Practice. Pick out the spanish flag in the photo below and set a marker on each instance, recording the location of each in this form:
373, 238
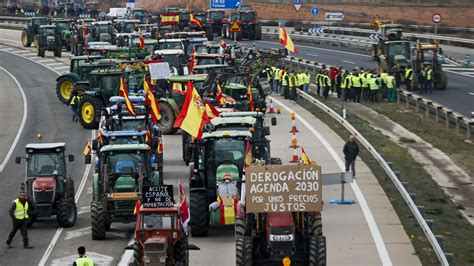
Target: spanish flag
151, 101
286, 40
211, 110
193, 62
227, 210
140, 37
169, 19
160, 145
124, 93
87, 149
147, 135
137, 207
249, 94
248, 155
100, 137
305, 158
193, 116
219, 98
84, 29
195, 21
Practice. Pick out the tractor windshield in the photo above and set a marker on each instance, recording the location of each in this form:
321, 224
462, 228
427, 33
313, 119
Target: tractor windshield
217, 15
397, 50
110, 83
49, 32
157, 221
125, 162
133, 124
172, 59
226, 149
126, 140
45, 164
105, 28
170, 45
247, 16
64, 25
209, 61
201, 49
129, 27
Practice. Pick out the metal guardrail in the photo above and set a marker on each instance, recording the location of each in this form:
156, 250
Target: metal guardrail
393, 177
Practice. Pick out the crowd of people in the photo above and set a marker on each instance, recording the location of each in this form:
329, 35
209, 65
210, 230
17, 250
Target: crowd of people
351, 86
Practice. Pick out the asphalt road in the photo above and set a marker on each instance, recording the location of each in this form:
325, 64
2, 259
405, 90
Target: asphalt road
459, 95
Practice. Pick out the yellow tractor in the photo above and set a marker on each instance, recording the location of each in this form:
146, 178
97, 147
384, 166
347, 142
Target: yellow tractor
424, 55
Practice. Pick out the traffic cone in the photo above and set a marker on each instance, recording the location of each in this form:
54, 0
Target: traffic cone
278, 111
271, 111
293, 123
295, 158
294, 142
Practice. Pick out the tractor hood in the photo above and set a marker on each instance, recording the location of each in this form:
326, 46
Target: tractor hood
50, 39
226, 171
155, 250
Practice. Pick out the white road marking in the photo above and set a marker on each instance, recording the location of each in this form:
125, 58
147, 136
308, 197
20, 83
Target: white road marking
28, 54
55, 64
7, 49
349, 62
19, 51
458, 73
35, 57
84, 209
23, 121
471, 93
60, 68
374, 230
77, 233
313, 55
127, 255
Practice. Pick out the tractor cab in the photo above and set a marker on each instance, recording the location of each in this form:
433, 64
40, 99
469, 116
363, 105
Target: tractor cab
394, 53
47, 183
48, 39
424, 55
29, 33
211, 59
176, 60
103, 31
178, 86
126, 25
139, 14
64, 26
150, 44
166, 44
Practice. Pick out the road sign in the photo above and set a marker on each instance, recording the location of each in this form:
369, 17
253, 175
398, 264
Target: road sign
298, 4
235, 27
334, 16
225, 4
314, 11
316, 30
437, 18
374, 37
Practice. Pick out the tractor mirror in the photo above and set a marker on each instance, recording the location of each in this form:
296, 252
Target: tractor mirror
267, 131
94, 144
88, 159
70, 158
274, 121
17, 160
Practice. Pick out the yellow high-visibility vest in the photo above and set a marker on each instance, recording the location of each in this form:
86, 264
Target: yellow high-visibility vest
21, 212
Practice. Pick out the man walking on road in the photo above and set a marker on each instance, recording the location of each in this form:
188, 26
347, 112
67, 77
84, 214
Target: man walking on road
351, 151
19, 215
83, 260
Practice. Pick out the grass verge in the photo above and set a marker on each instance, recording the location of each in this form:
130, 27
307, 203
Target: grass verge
448, 220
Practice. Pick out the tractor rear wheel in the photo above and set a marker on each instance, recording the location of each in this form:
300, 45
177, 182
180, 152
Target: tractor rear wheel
167, 119
239, 227
181, 252
40, 51
316, 225
25, 41
137, 253
199, 213
97, 221
317, 251
443, 81
90, 109
64, 87
67, 212
258, 32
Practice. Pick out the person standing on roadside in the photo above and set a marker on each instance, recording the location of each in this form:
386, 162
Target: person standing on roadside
82, 260
19, 215
351, 151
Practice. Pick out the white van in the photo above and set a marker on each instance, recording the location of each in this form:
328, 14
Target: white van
117, 12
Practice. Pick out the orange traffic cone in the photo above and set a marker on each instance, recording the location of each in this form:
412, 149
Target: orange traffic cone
294, 142
271, 111
295, 158
293, 123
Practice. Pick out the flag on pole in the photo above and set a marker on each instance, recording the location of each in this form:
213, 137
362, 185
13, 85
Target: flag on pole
195, 21
100, 137
249, 94
151, 101
160, 145
148, 135
248, 155
84, 29
193, 116
140, 37
193, 62
183, 207
124, 93
304, 157
211, 110
227, 209
219, 97
286, 40
137, 207
87, 149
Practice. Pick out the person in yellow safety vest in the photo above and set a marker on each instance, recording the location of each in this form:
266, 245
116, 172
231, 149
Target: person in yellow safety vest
276, 79
408, 78
391, 87
374, 84
301, 80
19, 213
365, 84
82, 260
427, 77
383, 79
326, 80
285, 81
307, 81
293, 84
356, 86
318, 86
346, 85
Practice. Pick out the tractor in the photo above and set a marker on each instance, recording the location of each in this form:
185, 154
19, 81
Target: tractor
122, 171
247, 20
428, 54
140, 14
48, 39
103, 31
65, 31
29, 33
47, 183
215, 21
176, 59
160, 239
392, 49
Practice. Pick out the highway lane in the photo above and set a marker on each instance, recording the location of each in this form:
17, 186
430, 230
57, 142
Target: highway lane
458, 96
53, 120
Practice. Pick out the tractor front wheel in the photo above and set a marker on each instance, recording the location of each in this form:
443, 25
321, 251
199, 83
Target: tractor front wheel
64, 87
258, 32
181, 252
98, 224
199, 213
317, 251
67, 212
25, 41
167, 119
243, 251
137, 253
239, 227
89, 112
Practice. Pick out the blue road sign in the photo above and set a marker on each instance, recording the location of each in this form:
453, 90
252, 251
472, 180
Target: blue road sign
314, 11
298, 2
225, 4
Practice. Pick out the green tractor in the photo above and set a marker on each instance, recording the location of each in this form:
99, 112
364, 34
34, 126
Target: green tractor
219, 155
65, 31
97, 90
28, 35
103, 31
47, 184
122, 171
48, 39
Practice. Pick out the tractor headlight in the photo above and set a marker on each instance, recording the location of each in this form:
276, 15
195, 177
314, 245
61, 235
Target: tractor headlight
163, 259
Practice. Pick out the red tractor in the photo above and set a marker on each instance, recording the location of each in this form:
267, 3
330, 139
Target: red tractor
159, 238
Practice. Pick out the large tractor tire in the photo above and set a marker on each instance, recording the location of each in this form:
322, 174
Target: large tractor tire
90, 109
67, 212
316, 225
181, 252
35, 41
239, 227
258, 32
98, 223
199, 213
442, 82
317, 251
167, 119
64, 87
25, 41
243, 251
137, 253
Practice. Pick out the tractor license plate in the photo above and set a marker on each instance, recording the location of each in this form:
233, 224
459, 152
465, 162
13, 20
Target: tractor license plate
123, 196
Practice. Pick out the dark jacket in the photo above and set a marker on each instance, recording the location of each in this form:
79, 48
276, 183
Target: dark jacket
351, 150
